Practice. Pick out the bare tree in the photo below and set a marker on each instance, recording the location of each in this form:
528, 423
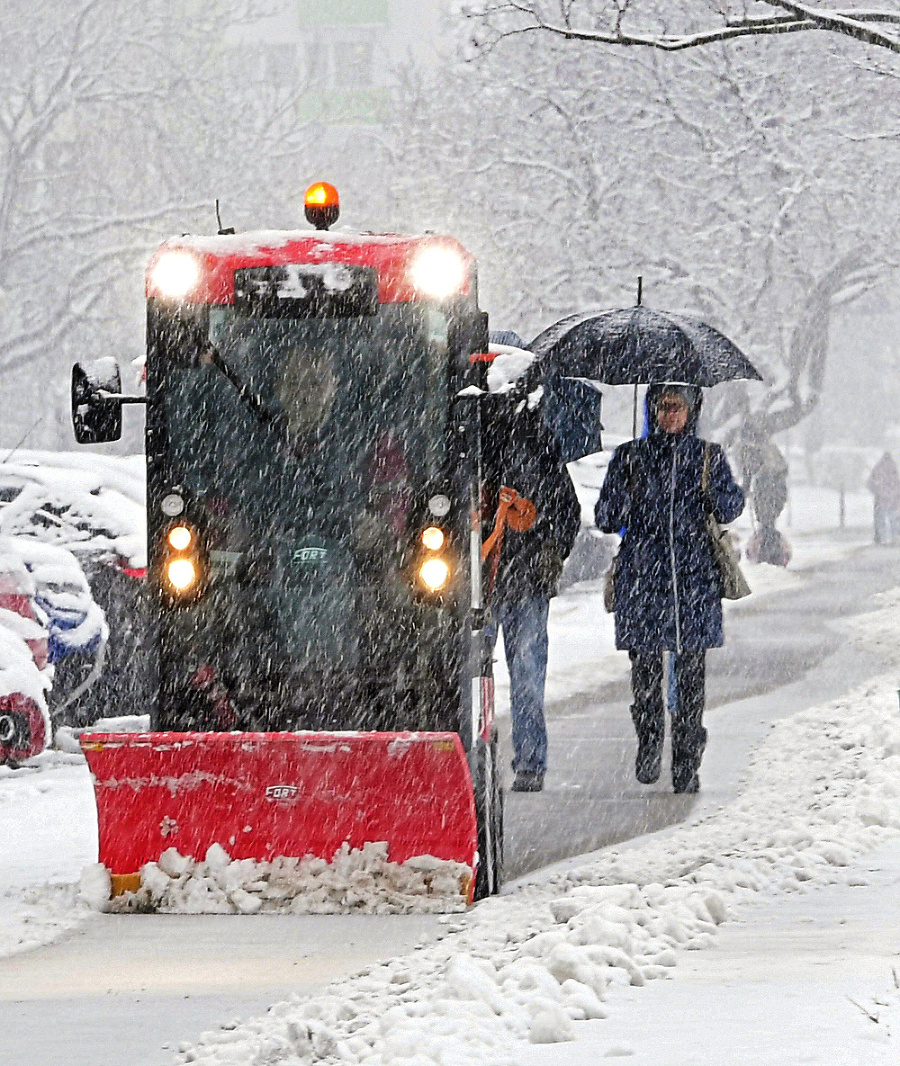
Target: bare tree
648, 24
119, 125
723, 179
80, 86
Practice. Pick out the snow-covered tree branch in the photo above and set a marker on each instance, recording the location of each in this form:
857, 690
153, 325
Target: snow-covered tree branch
637, 24
736, 190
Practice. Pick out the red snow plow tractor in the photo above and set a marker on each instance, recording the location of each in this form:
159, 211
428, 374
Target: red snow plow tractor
313, 436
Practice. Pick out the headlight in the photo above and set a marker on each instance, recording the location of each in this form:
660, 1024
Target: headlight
434, 574
438, 272
181, 574
439, 505
172, 504
175, 275
433, 538
180, 537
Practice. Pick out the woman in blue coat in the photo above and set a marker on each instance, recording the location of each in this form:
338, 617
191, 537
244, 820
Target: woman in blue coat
667, 590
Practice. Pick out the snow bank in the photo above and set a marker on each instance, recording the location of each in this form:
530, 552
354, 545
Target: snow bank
355, 881
528, 967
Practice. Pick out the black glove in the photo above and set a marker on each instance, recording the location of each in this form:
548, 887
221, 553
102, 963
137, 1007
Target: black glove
549, 567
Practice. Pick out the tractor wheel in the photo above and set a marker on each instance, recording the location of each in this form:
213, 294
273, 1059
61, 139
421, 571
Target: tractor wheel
489, 810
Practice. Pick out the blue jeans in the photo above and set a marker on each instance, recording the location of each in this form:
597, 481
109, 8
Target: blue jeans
524, 626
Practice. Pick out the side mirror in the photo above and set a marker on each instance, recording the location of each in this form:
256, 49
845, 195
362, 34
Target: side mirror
97, 401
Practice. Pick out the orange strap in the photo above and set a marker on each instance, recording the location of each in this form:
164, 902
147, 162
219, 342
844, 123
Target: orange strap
508, 497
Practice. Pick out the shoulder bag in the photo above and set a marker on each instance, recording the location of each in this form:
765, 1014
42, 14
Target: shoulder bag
734, 584
609, 580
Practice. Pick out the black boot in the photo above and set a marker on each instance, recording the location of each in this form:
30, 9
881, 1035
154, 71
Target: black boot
688, 743
528, 781
650, 745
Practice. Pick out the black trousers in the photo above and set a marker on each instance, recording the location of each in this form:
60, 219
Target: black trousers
648, 713
648, 710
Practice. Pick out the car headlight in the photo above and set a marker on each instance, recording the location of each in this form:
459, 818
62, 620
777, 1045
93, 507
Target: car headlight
175, 275
433, 538
180, 538
181, 574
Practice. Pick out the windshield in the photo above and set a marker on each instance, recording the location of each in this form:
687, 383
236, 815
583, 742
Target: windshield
311, 420
303, 446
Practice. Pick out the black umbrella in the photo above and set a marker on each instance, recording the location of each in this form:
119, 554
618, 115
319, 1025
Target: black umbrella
571, 409
638, 345
570, 405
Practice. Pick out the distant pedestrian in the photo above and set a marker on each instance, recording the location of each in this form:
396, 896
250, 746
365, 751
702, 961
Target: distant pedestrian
765, 478
521, 454
667, 589
884, 484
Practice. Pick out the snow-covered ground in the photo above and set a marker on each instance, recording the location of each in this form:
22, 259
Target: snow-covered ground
582, 653
763, 930
49, 834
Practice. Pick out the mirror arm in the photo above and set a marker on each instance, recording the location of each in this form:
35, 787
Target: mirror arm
119, 397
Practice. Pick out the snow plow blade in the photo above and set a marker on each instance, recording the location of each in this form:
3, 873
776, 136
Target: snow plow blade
265, 795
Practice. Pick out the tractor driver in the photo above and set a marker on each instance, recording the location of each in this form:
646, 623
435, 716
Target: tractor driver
306, 396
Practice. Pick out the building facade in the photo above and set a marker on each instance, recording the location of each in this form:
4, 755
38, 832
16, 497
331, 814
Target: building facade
336, 56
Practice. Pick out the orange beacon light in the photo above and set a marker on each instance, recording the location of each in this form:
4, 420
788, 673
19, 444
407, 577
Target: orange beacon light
322, 205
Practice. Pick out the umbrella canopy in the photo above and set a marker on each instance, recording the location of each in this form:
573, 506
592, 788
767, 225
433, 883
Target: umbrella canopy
572, 411
570, 406
638, 345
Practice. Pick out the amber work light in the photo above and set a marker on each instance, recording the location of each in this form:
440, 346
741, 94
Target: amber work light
322, 205
184, 569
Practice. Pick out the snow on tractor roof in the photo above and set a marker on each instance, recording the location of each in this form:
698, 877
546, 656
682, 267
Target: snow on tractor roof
393, 257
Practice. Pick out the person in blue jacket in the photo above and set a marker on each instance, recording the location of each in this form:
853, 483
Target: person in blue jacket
667, 590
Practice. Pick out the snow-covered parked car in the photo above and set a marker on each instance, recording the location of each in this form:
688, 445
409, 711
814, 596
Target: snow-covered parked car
75, 621
25, 672
83, 513
76, 628
93, 505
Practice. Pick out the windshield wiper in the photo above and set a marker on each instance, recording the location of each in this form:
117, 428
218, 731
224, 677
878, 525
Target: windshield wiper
265, 417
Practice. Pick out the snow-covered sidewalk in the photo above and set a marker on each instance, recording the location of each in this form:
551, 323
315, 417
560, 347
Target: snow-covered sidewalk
793, 888
48, 834
811, 977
